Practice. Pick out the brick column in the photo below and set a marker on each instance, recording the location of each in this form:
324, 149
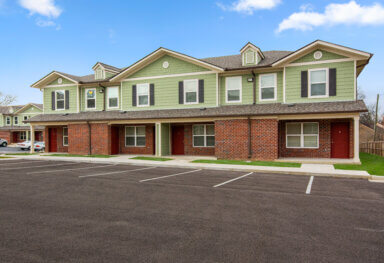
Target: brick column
265, 139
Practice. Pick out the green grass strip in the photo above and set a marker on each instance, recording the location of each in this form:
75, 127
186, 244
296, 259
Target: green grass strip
21, 153
373, 164
258, 163
5, 157
79, 155
158, 159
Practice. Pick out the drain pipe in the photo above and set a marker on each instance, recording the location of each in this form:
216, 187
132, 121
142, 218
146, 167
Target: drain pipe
254, 87
89, 139
249, 137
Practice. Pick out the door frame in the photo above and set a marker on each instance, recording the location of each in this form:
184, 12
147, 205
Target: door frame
172, 142
115, 130
50, 141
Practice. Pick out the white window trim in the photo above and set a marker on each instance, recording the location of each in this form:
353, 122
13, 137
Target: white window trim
118, 99
56, 91
6, 121
302, 135
326, 83
275, 87
197, 91
16, 120
241, 90
86, 99
204, 135
137, 95
25, 135
65, 136
135, 136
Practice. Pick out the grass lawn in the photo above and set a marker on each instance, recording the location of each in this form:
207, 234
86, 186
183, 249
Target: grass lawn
79, 155
21, 153
5, 157
151, 158
258, 163
371, 163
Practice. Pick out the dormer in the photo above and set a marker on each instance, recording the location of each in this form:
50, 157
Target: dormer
251, 55
99, 72
103, 71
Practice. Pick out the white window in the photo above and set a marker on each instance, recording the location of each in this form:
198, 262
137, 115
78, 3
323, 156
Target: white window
268, 87
302, 135
65, 136
318, 83
135, 136
15, 120
23, 136
8, 120
204, 135
142, 95
250, 57
90, 99
99, 74
60, 99
25, 117
191, 91
113, 97
233, 87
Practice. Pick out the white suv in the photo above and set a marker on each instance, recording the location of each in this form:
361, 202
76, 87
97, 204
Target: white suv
3, 142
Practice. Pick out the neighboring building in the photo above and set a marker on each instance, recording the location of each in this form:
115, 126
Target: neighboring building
12, 122
255, 104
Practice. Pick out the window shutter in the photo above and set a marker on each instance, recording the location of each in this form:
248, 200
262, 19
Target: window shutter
201, 90
134, 103
67, 99
53, 100
332, 82
181, 92
152, 94
304, 84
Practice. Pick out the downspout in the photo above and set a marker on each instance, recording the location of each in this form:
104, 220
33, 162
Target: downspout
254, 87
89, 139
249, 137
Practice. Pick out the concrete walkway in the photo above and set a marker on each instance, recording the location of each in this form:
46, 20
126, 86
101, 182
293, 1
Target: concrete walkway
185, 162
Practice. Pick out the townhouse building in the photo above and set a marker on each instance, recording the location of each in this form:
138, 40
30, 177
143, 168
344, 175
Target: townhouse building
261, 105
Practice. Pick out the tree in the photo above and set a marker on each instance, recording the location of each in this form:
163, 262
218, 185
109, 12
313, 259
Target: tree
5, 100
367, 118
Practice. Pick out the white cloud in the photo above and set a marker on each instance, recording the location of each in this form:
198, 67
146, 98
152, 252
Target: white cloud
46, 8
45, 23
249, 6
335, 14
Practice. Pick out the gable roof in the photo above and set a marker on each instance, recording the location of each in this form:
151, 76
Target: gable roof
14, 109
249, 44
107, 67
39, 106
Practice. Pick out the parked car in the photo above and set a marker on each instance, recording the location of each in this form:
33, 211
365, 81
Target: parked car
3, 143
39, 146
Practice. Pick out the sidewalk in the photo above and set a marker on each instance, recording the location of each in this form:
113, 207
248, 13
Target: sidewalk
305, 169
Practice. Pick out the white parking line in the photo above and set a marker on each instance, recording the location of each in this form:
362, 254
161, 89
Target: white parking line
31, 167
234, 179
309, 186
71, 169
166, 176
118, 172
21, 162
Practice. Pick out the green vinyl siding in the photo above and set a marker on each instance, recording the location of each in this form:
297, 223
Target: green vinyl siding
167, 92
176, 66
65, 82
48, 100
165, 133
2, 120
31, 110
344, 82
108, 74
326, 56
99, 99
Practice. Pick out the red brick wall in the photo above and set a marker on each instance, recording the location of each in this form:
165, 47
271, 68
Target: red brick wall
59, 142
78, 138
265, 139
100, 138
188, 144
6, 135
149, 141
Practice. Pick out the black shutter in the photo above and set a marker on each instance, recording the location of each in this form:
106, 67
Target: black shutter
134, 103
67, 99
304, 84
53, 100
332, 82
201, 90
181, 92
152, 94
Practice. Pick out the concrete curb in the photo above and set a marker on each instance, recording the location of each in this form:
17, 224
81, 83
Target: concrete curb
219, 167
376, 179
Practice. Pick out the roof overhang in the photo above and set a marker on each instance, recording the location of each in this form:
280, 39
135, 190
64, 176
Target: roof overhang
157, 54
99, 64
49, 78
338, 49
26, 107
250, 45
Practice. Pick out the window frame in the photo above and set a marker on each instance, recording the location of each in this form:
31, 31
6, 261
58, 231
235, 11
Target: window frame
118, 97
204, 135
326, 83
15, 120
302, 135
25, 117
6, 121
86, 98
248, 52
65, 136
56, 100
135, 135
196, 81
137, 94
240, 89
274, 90
23, 136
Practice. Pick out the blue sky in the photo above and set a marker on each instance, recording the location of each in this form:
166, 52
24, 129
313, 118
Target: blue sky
39, 36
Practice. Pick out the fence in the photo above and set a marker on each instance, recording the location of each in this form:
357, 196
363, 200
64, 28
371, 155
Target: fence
373, 147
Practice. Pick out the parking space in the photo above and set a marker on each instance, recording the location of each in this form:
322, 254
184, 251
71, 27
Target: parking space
62, 211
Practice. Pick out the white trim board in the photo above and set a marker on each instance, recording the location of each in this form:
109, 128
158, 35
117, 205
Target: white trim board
320, 62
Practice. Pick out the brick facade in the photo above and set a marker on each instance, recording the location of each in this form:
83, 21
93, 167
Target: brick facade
59, 142
149, 141
188, 144
265, 143
6, 135
78, 138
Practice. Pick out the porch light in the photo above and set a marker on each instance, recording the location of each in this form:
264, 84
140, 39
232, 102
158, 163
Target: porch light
250, 79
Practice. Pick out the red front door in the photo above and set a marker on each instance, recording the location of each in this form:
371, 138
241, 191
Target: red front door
15, 137
115, 140
178, 140
52, 133
340, 140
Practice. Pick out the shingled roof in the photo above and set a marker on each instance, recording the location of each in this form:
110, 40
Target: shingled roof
7, 109
223, 111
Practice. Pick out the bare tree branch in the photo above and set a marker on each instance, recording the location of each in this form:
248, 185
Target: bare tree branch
5, 100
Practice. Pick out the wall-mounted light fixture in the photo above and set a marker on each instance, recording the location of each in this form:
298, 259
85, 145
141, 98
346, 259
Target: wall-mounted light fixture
250, 79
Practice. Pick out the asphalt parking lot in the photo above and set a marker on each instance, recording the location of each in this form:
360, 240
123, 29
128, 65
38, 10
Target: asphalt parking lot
54, 211
10, 150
